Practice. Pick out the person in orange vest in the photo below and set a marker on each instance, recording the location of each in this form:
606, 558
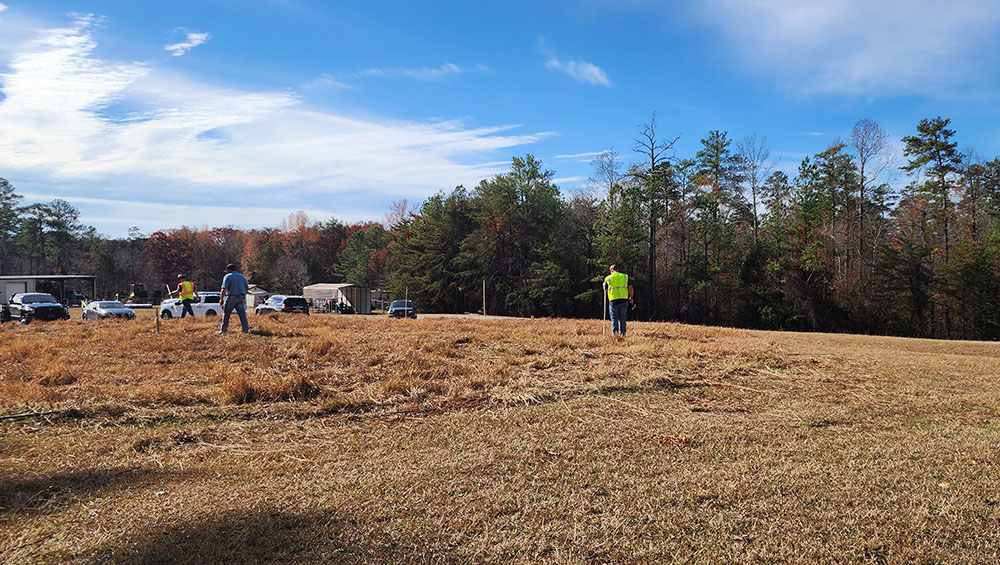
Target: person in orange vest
187, 294
620, 295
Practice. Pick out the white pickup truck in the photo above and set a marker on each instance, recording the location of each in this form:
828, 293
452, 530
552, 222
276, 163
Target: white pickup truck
207, 305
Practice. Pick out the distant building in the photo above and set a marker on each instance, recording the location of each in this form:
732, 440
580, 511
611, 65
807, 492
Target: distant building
256, 295
323, 295
53, 284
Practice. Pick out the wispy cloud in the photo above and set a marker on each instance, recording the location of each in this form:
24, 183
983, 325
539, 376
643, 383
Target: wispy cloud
589, 154
2, 7
194, 39
580, 70
422, 73
859, 46
97, 128
813, 133
327, 80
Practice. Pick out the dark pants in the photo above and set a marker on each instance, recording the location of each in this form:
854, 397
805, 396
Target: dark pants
186, 308
619, 313
239, 304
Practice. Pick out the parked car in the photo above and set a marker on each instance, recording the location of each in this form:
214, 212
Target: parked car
282, 303
25, 307
102, 309
206, 305
402, 309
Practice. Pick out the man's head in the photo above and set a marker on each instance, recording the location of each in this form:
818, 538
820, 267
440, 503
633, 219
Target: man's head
614, 268
180, 277
230, 268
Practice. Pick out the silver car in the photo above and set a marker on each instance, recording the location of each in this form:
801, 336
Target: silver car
103, 309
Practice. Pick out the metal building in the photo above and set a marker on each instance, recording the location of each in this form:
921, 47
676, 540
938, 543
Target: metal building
322, 295
56, 284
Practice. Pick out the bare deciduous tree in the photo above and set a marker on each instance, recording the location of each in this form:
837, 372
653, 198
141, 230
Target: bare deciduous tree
656, 153
607, 172
871, 144
754, 167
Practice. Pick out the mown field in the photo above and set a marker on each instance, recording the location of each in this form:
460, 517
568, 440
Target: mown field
350, 439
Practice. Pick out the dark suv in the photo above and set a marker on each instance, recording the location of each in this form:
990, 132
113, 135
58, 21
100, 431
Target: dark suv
402, 309
25, 307
281, 303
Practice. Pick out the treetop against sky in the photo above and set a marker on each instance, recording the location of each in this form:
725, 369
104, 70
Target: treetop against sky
219, 112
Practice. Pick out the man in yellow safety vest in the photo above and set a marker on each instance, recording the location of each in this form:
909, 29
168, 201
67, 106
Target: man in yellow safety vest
620, 295
187, 293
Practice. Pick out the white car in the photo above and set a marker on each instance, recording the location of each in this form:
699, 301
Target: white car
207, 305
102, 309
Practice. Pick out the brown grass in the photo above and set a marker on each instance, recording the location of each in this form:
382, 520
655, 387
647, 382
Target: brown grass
354, 439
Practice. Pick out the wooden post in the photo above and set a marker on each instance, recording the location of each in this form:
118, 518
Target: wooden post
484, 297
604, 313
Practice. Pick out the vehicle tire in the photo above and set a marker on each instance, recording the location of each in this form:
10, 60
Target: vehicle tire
24, 320
166, 315
210, 313
83, 316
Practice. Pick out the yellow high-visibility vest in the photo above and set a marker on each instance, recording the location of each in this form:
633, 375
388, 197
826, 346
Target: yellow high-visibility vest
187, 290
617, 285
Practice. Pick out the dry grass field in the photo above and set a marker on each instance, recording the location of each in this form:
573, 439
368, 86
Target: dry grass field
349, 439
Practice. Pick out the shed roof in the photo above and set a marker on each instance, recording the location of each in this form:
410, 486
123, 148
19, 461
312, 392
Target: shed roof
46, 277
325, 290
256, 290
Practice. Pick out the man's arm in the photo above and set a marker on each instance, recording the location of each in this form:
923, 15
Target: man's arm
630, 293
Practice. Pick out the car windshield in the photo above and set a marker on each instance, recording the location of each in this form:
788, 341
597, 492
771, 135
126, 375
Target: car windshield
110, 304
37, 298
401, 304
277, 299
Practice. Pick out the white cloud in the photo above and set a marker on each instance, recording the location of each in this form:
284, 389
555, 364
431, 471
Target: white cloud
99, 128
194, 39
423, 73
579, 70
860, 46
590, 154
326, 80
2, 7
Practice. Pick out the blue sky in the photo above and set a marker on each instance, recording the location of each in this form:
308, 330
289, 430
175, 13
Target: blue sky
224, 112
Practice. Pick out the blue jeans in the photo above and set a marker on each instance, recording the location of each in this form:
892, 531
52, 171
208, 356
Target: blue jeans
186, 308
619, 313
239, 304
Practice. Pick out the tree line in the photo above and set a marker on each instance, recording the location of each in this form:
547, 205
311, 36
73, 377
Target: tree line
720, 237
